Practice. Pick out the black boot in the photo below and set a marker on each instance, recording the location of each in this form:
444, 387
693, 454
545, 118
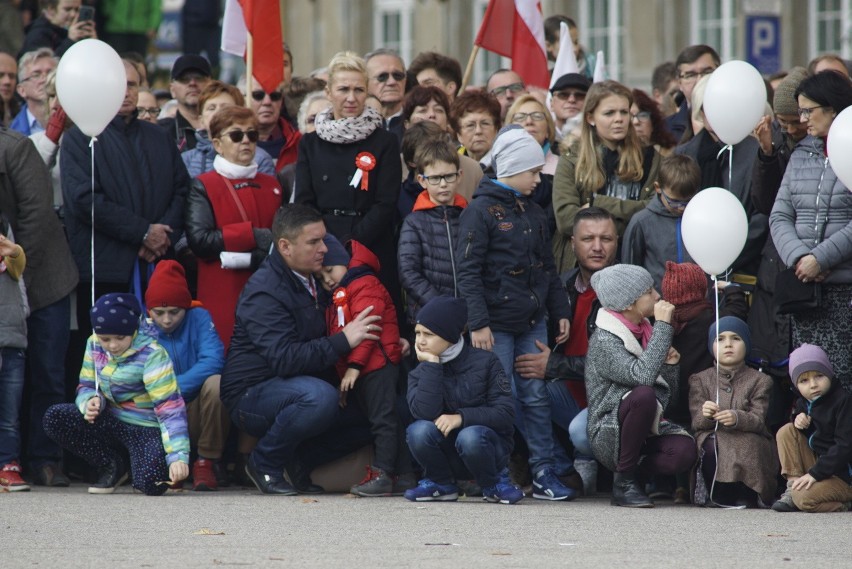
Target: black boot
628, 492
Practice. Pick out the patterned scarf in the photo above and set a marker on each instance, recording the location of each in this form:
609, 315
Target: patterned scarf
347, 130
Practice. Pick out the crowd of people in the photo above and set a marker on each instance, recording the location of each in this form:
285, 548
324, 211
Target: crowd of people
463, 279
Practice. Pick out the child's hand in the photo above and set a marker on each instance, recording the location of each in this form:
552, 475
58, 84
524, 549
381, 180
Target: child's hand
727, 417
426, 356
448, 423
564, 330
803, 482
178, 471
348, 380
709, 409
341, 400
93, 409
802, 421
673, 357
482, 339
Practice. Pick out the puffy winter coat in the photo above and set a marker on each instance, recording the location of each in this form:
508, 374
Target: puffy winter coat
830, 432
427, 263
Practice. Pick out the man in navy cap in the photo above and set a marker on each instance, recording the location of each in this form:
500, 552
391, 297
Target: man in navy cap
569, 95
190, 74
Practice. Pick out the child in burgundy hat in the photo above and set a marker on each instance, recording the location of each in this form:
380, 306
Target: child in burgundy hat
187, 333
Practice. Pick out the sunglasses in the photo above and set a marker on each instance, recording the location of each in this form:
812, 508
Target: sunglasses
153, 111
238, 135
274, 96
383, 77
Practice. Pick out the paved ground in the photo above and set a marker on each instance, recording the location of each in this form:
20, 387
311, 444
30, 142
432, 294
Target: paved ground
69, 528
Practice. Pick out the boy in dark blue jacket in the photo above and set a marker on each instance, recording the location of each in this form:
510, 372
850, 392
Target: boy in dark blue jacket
198, 356
462, 405
507, 276
816, 448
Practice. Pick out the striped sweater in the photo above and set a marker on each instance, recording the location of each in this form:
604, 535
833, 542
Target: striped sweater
139, 387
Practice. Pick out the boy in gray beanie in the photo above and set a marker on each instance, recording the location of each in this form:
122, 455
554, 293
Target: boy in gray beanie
815, 448
507, 276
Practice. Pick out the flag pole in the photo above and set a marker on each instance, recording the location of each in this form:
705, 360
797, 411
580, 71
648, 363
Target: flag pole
469, 69
249, 67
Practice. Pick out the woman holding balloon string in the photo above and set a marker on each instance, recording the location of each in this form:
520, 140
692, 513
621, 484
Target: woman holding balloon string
608, 167
811, 224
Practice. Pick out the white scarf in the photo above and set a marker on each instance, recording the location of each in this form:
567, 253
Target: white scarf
452, 352
232, 171
347, 130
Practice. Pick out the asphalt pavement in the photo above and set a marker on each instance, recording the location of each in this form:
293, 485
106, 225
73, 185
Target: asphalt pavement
68, 528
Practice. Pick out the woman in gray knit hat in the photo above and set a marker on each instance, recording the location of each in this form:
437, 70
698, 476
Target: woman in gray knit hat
631, 375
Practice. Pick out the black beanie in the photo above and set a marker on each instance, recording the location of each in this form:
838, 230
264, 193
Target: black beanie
444, 316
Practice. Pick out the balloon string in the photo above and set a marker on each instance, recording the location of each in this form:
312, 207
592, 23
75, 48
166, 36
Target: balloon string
92, 243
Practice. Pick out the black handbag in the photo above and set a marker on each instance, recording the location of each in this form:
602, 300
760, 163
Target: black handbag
793, 296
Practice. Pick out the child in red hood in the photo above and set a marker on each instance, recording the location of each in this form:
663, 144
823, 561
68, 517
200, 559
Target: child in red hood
371, 370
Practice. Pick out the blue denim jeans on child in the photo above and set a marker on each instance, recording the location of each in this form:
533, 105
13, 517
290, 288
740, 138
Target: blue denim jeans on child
12, 362
532, 402
476, 451
566, 413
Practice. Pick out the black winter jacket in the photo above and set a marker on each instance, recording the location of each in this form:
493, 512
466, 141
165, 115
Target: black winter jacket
830, 433
473, 385
280, 332
427, 264
42, 33
560, 366
505, 262
140, 179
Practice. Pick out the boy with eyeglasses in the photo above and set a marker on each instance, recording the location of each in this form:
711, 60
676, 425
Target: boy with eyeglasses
653, 235
427, 266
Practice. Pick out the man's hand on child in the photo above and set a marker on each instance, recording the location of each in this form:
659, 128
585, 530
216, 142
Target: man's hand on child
564, 330
803, 482
728, 417
709, 409
533, 366
448, 423
673, 357
178, 471
802, 421
93, 409
363, 327
347, 382
482, 339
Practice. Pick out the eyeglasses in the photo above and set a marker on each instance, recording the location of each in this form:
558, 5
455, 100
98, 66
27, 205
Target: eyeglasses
566, 95
471, 126
689, 76
641, 116
805, 112
37, 76
238, 135
153, 111
673, 203
383, 77
513, 88
537, 116
436, 180
274, 96
188, 78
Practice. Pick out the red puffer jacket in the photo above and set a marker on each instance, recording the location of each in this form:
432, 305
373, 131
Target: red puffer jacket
359, 289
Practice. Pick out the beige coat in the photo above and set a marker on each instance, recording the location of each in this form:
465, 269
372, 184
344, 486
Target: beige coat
746, 451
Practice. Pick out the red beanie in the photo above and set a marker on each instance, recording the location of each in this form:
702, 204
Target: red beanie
684, 283
168, 287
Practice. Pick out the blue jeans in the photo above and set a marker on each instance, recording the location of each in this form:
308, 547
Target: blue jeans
48, 334
11, 390
579, 434
474, 451
282, 413
532, 402
565, 413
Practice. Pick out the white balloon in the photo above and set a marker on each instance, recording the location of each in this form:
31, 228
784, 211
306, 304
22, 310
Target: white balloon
840, 143
90, 84
734, 101
714, 229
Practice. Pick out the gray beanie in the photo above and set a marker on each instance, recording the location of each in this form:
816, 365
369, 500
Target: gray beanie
784, 101
515, 151
618, 286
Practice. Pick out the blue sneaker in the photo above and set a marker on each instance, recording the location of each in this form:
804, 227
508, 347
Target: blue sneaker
428, 491
546, 486
503, 493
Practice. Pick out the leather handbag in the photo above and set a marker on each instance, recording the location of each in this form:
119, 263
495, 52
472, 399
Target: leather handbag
792, 296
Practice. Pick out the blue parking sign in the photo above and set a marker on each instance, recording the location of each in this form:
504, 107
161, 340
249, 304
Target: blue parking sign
763, 42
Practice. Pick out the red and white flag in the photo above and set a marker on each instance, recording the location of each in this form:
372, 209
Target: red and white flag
261, 19
515, 28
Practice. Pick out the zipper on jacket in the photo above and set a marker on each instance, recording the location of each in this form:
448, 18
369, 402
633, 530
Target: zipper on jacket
452, 255
817, 205
175, 364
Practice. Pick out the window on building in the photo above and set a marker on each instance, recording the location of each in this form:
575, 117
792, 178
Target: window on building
392, 26
829, 23
601, 25
715, 23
